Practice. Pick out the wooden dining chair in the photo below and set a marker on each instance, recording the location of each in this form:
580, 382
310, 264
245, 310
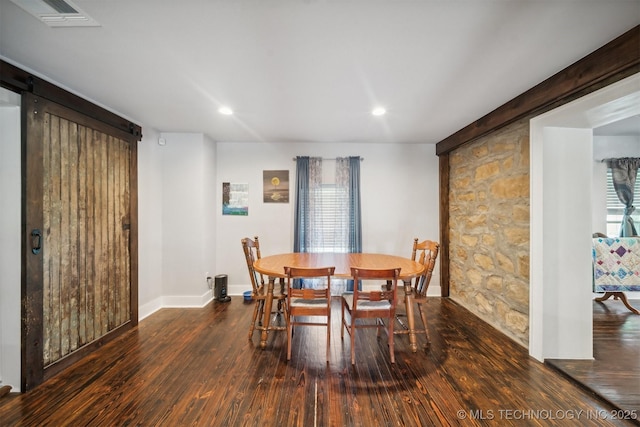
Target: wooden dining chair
425, 253
303, 302
370, 304
251, 250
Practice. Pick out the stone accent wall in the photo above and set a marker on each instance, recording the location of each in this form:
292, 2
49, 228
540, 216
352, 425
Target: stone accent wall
489, 229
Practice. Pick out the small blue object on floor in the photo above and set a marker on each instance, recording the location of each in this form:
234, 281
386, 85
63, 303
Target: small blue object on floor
247, 296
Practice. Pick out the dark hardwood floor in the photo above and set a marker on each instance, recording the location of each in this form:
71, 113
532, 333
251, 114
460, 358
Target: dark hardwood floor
196, 367
615, 371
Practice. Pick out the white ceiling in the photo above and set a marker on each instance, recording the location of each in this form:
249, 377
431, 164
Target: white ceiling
311, 70
627, 127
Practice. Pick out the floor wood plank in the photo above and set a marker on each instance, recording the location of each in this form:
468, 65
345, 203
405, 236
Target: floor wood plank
614, 373
196, 367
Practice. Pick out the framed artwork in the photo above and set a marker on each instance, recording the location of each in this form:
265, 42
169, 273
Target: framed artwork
235, 199
275, 186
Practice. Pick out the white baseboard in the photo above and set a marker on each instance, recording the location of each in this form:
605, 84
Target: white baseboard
434, 291
177, 301
146, 310
183, 301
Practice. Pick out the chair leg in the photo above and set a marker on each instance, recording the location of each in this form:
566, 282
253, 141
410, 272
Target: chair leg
261, 311
289, 335
344, 324
352, 333
423, 316
328, 331
390, 333
253, 321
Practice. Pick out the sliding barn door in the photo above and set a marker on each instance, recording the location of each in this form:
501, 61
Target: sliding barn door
79, 280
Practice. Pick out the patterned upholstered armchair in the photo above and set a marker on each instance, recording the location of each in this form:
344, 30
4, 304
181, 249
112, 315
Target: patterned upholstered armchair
616, 267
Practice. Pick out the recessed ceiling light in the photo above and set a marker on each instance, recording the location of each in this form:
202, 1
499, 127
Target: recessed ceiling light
225, 110
379, 111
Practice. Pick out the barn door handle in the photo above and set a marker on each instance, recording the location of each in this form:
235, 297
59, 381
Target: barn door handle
36, 241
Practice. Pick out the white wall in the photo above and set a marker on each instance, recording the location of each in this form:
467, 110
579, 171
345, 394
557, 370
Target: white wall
609, 147
567, 217
10, 261
176, 177
149, 224
187, 219
209, 194
599, 197
399, 185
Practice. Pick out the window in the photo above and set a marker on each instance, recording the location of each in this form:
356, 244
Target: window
615, 208
332, 217
327, 217
327, 212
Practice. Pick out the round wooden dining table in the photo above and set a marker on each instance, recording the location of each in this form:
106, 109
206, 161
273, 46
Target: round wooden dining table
273, 267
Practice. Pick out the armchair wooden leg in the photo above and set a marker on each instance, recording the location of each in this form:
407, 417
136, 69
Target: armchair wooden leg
622, 297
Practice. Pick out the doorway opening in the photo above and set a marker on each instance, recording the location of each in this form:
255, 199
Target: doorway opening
561, 167
10, 238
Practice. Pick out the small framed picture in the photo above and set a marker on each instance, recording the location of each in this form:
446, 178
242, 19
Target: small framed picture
275, 186
235, 199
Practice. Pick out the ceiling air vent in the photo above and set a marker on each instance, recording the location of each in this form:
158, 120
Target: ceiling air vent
57, 13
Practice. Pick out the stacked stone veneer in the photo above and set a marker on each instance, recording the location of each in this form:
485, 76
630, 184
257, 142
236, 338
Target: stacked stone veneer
489, 229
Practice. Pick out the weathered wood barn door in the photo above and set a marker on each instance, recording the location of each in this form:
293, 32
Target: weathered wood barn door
79, 223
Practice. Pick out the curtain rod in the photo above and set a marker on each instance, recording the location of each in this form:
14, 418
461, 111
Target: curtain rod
328, 158
615, 158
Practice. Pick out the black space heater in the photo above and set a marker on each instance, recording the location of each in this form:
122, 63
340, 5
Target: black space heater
220, 290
